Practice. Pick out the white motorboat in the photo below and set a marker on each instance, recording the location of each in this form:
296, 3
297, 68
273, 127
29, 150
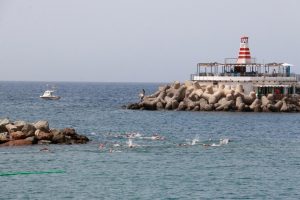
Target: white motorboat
49, 94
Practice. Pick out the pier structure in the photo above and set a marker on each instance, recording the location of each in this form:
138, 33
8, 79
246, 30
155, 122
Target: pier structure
270, 78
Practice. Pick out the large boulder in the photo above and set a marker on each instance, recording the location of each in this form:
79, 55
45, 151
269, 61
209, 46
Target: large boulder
256, 105
18, 135
249, 99
209, 89
20, 124
4, 137
191, 104
159, 106
11, 128
240, 105
151, 103
41, 135
175, 104
203, 104
182, 106
224, 104
176, 92
69, 132
239, 89
284, 107
168, 105
265, 101
4, 121
176, 85
58, 136
196, 108
278, 105
214, 98
42, 125
29, 130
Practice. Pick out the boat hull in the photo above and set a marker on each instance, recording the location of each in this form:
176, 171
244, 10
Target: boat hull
50, 98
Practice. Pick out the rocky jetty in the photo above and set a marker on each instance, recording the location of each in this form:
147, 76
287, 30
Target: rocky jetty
192, 96
23, 133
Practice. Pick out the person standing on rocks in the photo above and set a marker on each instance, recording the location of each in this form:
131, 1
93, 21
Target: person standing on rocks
142, 95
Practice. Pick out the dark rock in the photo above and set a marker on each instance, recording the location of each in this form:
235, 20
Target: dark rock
29, 130
133, 106
3, 129
149, 105
175, 104
58, 136
169, 105
81, 139
68, 140
41, 135
69, 132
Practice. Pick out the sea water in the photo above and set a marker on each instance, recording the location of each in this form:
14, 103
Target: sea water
260, 161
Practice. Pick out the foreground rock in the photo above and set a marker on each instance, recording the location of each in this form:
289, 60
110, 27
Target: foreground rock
23, 133
192, 96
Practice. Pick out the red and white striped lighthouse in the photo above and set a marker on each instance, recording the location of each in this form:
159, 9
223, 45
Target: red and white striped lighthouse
244, 54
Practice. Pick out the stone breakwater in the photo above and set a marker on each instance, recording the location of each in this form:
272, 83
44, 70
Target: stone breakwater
193, 96
24, 133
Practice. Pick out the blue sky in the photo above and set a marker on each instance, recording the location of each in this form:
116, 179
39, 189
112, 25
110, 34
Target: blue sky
137, 40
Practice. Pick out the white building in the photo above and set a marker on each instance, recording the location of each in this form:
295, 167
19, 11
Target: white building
275, 78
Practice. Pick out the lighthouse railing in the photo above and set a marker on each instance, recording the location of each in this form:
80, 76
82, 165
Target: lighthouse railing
278, 79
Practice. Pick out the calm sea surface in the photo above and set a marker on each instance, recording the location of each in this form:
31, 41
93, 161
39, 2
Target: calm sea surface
262, 161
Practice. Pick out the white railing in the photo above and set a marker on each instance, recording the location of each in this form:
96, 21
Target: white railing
241, 78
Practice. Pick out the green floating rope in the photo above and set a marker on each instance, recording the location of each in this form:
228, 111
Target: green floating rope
32, 172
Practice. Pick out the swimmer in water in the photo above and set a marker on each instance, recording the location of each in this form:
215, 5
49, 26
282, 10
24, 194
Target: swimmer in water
130, 143
224, 141
101, 146
157, 137
116, 145
182, 145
